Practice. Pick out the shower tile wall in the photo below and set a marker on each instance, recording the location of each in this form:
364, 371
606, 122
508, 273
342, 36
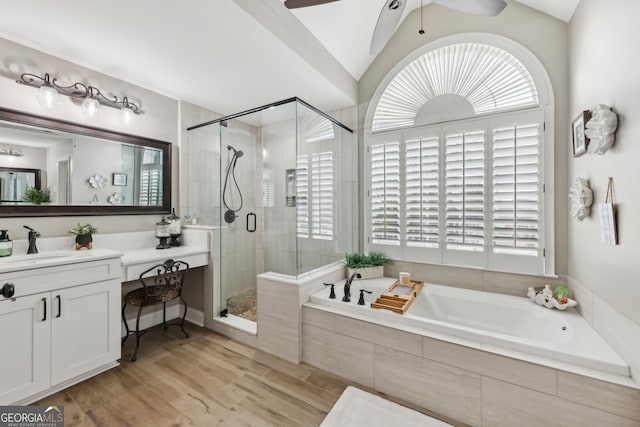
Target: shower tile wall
203, 159
195, 142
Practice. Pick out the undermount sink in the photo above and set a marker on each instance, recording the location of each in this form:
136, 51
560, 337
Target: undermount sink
36, 258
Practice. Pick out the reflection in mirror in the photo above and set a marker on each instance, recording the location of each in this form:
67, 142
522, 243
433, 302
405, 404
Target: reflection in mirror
99, 171
15, 181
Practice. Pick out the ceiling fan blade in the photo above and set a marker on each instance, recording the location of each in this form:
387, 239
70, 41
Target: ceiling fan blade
386, 25
476, 7
294, 4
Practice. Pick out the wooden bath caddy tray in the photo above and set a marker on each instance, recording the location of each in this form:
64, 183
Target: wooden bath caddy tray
395, 301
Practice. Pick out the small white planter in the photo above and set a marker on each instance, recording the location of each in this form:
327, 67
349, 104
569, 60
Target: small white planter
367, 272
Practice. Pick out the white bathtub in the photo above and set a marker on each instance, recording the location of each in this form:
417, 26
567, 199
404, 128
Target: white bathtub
507, 322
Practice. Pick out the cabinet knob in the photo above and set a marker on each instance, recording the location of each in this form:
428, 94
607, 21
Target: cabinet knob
8, 290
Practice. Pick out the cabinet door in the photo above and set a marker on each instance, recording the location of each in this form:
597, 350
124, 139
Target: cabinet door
25, 340
85, 322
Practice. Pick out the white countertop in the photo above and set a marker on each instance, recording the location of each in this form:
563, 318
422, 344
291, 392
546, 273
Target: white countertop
53, 258
137, 251
140, 256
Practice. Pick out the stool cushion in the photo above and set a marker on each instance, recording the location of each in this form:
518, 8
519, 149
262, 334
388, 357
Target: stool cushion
153, 295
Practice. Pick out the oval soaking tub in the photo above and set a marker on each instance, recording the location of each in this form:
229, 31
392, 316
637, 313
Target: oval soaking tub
508, 322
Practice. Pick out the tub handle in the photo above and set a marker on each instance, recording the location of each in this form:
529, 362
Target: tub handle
332, 295
361, 300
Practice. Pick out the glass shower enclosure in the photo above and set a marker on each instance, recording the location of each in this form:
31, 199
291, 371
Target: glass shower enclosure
278, 184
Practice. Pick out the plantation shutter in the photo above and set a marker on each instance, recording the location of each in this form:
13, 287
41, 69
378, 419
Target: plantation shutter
151, 178
464, 186
302, 196
489, 78
516, 183
421, 192
385, 193
322, 195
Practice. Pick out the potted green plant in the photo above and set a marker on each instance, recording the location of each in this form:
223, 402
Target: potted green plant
37, 196
84, 235
369, 266
561, 294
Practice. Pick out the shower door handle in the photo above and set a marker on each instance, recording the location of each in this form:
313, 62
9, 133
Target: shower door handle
251, 215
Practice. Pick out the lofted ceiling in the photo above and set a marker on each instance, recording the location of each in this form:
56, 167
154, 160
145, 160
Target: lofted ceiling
226, 55
352, 23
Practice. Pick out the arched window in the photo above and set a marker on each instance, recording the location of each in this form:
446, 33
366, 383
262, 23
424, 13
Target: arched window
452, 82
458, 142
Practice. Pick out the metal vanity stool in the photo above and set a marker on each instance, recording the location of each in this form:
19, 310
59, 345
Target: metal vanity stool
160, 284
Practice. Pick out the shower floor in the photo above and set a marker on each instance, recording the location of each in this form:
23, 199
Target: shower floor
244, 305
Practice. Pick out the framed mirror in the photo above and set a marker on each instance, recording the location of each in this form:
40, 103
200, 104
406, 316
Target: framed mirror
82, 170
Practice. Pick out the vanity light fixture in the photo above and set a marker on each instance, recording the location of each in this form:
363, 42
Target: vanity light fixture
49, 92
90, 105
9, 151
47, 95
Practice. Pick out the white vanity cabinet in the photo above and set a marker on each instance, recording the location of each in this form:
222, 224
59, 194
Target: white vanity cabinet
60, 327
25, 340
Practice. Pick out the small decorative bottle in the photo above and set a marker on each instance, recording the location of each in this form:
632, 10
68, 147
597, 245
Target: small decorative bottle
174, 228
162, 234
6, 245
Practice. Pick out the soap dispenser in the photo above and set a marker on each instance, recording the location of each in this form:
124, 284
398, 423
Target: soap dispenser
6, 245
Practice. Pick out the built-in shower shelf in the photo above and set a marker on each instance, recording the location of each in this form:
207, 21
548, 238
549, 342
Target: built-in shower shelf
398, 297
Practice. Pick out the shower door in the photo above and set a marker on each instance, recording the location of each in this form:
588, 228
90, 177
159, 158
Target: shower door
240, 229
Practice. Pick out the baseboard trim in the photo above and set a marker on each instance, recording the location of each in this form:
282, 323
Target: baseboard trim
155, 318
196, 317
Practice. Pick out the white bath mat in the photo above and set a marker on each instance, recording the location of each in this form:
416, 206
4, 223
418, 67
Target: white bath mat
359, 408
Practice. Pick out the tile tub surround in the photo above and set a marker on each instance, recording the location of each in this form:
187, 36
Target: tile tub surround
618, 330
476, 387
280, 299
513, 324
472, 278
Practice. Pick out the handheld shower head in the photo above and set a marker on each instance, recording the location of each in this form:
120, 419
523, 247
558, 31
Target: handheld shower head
236, 153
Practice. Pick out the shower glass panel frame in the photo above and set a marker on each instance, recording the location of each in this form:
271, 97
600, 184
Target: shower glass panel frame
297, 174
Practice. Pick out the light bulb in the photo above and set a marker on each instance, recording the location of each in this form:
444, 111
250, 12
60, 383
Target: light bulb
48, 97
90, 107
126, 115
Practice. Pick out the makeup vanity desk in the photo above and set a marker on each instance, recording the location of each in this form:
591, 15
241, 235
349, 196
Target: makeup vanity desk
60, 309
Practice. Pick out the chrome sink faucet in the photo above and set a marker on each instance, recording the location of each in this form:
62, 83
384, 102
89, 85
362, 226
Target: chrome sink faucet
347, 287
33, 235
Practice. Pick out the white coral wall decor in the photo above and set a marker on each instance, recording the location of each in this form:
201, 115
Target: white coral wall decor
581, 198
601, 129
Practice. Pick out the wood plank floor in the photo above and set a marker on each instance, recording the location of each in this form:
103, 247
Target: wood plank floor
206, 380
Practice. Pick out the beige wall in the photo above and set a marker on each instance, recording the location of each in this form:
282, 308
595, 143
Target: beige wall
604, 69
160, 121
543, 35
